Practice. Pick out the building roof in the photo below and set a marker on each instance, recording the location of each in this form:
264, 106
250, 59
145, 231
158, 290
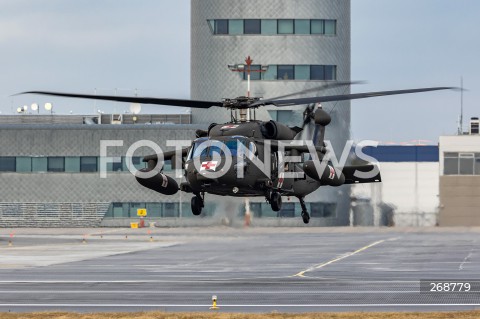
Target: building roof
117, 119
397, 153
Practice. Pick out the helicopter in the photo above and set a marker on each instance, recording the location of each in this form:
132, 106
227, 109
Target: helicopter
246, 157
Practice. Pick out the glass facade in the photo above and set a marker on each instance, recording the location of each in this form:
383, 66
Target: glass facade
39, 164
323, 209
7, 164
283, 116
294, 210
72, 164
88, 164
69, 164
317, 26
23, 164
182, 210
330, 27
255, 74
285, 26
284, 72
252, 26
461, 163
302, 26
221, 26
273, 26
302, 72
56, 164
268, 27
235, 27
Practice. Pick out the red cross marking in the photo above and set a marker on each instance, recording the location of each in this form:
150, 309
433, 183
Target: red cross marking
208, 165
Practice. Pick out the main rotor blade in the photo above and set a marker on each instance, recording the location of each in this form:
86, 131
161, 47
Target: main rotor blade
316, 89
133, 99
345, 97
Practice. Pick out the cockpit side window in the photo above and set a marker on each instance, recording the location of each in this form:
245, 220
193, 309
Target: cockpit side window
190, 152
253, 150
210, 148
232, 146
215, 150
199, 151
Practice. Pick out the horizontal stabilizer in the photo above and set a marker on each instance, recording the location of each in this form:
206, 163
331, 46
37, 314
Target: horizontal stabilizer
362, 174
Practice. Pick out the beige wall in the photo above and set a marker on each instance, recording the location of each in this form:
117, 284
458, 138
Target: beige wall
459, 201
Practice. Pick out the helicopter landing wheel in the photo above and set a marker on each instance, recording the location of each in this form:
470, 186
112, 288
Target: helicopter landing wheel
276, 201
197, 205
305, 214
305, 217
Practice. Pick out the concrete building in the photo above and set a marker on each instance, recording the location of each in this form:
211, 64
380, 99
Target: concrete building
424, 185
305, 44
460, 178
50, 168
50, 173
409, 188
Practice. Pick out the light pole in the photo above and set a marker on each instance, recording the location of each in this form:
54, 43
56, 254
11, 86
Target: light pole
22, 109
241, 68
49, 107
35, 107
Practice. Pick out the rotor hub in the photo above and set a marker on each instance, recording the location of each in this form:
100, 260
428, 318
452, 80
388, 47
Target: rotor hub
241, 102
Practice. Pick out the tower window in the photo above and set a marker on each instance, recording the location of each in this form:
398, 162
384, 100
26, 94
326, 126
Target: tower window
235, 27
330, 27
56, 164
317, 26
273, 26
221, 27
302, 26
285, 26
7, 164
252, 26
286, 72
88, 164
269, 27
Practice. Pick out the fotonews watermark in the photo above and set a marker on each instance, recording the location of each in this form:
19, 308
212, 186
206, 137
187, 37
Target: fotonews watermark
215, 158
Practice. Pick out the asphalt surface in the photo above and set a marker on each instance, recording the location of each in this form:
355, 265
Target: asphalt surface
249, 270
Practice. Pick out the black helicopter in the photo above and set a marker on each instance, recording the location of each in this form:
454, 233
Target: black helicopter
246, 157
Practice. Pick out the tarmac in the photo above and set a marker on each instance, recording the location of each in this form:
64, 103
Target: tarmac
249, 269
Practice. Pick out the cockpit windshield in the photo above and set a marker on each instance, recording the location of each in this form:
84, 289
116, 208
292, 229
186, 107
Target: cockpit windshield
205, 147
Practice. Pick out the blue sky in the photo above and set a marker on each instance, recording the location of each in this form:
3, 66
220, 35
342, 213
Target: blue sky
78, 46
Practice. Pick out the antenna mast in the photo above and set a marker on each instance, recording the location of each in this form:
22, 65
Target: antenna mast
460, 124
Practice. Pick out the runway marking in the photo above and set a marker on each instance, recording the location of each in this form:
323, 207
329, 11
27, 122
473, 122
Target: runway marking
258, 280
203, 292
466, 260
302, 273
123, 305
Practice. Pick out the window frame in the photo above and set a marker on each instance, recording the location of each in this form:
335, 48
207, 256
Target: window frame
217, 21
284, 20
282, 77
250, 20
50, 162
9, 167
83, 168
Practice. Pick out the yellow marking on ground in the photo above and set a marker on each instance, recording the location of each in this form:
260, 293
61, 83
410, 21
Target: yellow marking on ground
302, 273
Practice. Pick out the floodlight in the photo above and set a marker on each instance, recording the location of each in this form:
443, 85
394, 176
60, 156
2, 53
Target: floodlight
135, 108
